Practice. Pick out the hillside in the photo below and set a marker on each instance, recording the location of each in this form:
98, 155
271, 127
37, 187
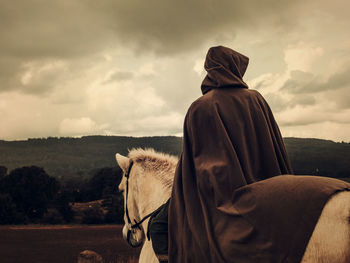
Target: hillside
66, 157
80, 157
319, 157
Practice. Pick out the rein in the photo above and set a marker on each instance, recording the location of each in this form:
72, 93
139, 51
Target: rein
136, 224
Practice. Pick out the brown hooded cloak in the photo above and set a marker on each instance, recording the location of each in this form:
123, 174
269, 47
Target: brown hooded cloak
221, 208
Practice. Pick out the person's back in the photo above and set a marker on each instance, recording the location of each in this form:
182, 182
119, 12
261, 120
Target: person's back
251, 132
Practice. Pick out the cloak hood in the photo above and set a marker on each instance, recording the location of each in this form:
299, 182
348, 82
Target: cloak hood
225, 67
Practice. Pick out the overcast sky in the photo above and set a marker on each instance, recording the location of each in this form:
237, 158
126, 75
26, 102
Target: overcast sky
128, 67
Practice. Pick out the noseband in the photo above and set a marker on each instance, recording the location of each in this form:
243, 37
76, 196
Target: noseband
136, 224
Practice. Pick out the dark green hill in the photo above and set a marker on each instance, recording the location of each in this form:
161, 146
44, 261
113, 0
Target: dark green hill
67, 157
319, 157
71, 157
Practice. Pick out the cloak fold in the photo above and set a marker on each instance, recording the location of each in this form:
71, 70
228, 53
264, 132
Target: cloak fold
222, 209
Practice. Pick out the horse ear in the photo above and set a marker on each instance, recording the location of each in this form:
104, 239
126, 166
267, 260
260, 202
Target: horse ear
123, 162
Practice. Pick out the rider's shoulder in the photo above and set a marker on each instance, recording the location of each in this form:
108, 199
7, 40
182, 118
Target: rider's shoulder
202, 104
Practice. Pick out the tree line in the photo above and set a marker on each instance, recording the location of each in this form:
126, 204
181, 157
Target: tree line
30, 195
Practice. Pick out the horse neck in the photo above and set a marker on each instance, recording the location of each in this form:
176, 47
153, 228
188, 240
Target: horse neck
152, 193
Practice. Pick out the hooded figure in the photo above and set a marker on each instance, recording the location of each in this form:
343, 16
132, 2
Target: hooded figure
222, 209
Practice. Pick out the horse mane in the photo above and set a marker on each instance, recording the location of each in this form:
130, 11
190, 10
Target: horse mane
150, 160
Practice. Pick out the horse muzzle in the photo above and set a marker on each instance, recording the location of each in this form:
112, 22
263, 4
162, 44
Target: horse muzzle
134, 236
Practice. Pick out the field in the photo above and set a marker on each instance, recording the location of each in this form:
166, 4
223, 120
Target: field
58, 244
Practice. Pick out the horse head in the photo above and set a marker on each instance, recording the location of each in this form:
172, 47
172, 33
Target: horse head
146, 184
135, 236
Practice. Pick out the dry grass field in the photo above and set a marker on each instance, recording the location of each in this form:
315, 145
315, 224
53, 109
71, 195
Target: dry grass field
62, 244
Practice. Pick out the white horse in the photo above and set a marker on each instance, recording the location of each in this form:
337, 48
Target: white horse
150, 183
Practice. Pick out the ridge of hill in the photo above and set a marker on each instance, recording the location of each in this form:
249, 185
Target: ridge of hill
80, 157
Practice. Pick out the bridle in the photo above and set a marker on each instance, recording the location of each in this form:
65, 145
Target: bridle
132, 226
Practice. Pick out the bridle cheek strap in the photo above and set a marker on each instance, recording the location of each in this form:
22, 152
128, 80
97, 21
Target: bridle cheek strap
136, 224
127, 175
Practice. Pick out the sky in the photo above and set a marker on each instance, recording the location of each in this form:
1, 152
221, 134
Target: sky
133, 67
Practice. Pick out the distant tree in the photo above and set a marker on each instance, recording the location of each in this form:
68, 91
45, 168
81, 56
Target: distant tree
31, 189
104, 183
75, 188
115, 209
3, 171
8, 211
63, 206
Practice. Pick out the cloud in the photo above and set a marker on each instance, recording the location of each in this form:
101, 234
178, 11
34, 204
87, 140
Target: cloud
37, 29
327, 129
120, 76
303, 100
300, 57
280, 102
40, 29
24, 115
41, 78
79, 126
309, 94
339, 98
302, 82
38, 32
165, 124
